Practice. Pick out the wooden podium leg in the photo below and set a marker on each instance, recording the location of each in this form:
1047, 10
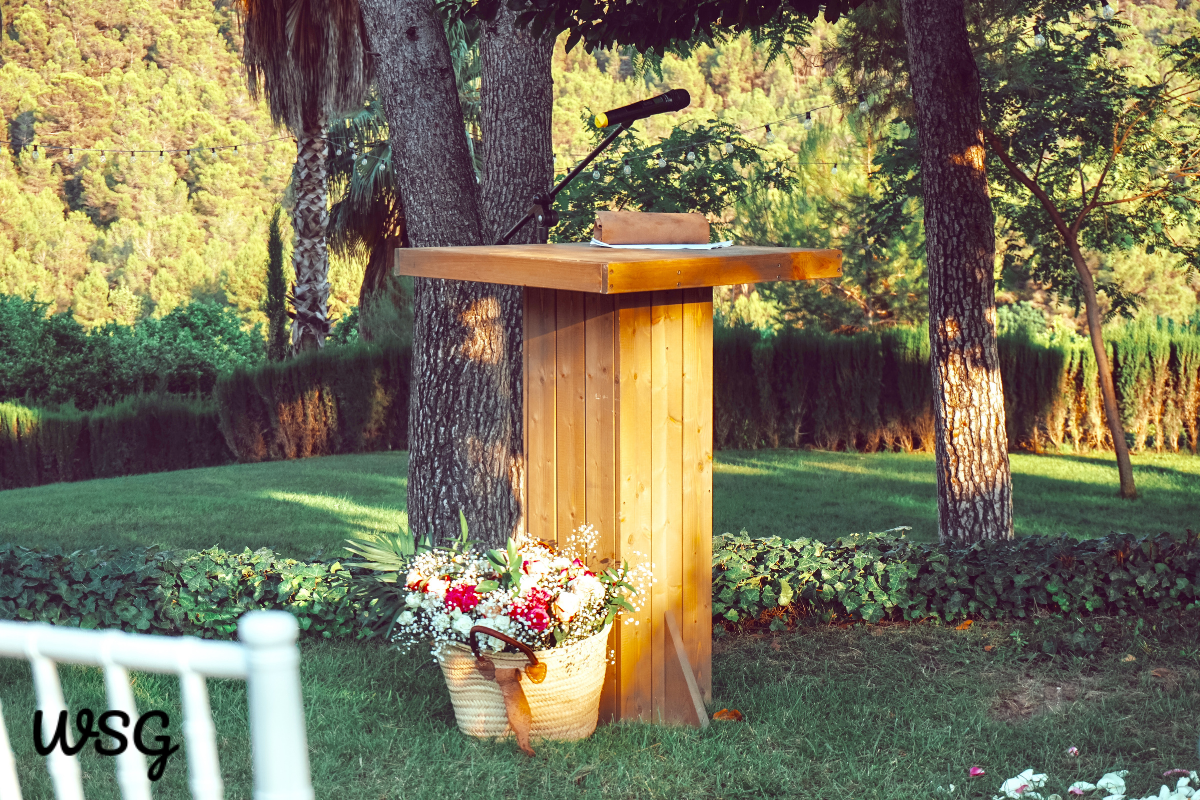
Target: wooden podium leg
685, 703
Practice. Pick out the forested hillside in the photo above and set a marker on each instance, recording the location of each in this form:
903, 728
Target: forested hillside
116, 239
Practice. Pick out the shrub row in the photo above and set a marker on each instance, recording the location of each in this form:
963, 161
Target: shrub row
339, 400
150, 590
872, 391
142, 434
875, 576
768, 582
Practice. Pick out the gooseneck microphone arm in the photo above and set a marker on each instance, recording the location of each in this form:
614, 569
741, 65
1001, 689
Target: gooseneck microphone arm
541, 210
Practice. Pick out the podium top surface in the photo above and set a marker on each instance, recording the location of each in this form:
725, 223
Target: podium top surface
605, 270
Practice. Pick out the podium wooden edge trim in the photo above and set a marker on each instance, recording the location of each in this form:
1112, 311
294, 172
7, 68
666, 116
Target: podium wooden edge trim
597, 270
692, 710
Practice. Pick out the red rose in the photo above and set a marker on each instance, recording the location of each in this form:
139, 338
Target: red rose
538, 618
463, 598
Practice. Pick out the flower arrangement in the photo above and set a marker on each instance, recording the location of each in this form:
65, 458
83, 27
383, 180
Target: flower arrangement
538, 594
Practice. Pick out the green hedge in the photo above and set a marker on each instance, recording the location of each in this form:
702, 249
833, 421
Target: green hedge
142, 434
339, 400
158, 591
871, 391
756, 582
877, 576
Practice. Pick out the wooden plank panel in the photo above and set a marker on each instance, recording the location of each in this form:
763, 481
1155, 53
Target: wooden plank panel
579, 267
694, 573
570, 413
703, 554
666, 479
634, 521
600, 446
539, 347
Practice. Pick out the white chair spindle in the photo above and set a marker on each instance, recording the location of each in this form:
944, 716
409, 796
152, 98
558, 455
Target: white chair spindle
204, 771
131, 764
9, 788
64, 769
278, 741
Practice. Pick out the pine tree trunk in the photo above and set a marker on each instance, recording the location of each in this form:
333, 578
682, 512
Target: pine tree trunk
461, 434
974, 482
516, 98
1108, 392
310, 218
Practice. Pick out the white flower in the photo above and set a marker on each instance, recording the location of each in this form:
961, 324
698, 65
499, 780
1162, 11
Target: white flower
405, 618
566, 605
528, 582
589, 588
438, 587
1079, 787
413, 577
463, 624
413, 600
441, 621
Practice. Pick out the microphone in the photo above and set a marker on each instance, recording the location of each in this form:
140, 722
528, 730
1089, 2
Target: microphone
671, 101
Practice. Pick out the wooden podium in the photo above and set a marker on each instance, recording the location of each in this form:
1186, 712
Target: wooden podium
618, 429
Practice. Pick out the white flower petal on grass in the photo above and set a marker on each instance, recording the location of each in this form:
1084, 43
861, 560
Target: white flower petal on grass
1079, 787
1113, 782
1022, 786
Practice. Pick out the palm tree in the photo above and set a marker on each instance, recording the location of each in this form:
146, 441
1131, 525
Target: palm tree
312, 60
366, 220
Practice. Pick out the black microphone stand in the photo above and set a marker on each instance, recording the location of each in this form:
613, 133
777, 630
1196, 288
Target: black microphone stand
542, 211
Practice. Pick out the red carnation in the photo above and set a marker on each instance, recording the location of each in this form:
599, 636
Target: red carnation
464, 598
538, 618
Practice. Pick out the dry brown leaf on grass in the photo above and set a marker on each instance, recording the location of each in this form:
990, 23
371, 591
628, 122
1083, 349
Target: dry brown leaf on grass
987, 648
729, 714
1170, 678
1127, 659
962, 626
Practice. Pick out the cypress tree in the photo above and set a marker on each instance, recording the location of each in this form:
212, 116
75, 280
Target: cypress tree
275, 304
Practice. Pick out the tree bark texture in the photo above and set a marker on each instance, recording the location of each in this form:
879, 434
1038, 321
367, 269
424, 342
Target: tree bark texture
516, 100
1108, 391
310, 219
461, 435
974, 481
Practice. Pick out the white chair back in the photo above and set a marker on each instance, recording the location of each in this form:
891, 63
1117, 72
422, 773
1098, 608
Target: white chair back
265, 656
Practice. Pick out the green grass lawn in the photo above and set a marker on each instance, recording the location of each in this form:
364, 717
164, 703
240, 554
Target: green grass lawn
297, 507
867, 712
879, 713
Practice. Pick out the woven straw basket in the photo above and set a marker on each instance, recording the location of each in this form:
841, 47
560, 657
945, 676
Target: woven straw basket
565, 705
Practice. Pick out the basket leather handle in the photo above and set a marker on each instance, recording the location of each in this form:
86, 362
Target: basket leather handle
535, 671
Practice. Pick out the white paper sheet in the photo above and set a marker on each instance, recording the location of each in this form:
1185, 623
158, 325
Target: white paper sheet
707, 246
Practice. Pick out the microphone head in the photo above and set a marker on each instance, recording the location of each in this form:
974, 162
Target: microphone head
677, 99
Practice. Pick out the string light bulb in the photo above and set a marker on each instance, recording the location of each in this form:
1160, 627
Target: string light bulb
728, 146
808, 120
691, 156
103, 157
160, 156
132, 156
862, 103
627, 169
1039, 40
338, 151
1108, 11
834, 170
235, 150
662, 162
71, 155
770, 137
35, 153
213, 152
595, 174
